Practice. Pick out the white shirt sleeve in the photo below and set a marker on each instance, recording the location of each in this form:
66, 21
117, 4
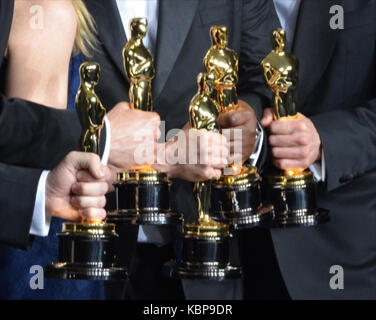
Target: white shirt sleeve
107, 146
318, 169
258, 145
40, 224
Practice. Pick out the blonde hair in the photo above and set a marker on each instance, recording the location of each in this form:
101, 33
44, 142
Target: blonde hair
86, 39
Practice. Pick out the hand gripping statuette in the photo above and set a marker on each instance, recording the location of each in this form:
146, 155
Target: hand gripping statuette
142, 194
236, 195
87, 249
292, 192
205, 244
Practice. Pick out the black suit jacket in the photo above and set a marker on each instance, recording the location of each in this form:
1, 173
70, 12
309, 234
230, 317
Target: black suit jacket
31, 136
183, 40
337, 90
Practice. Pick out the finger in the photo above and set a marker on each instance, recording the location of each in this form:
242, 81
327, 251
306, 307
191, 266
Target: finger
215, 138
285, 164
283, 141
237, 117
208, 173
84, 161
93, 213
218, 162
123, 105
94, 166
290, 153
83, 202
90, 189
219, 151
267, 118
288, 126
85, 176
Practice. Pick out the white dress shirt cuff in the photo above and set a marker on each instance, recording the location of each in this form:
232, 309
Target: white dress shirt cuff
318, 169
40, 224
253, 159
107, 147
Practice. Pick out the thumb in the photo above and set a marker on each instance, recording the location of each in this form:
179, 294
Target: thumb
90, 162
267, 118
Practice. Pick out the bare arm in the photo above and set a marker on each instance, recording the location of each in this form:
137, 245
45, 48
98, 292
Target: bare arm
39, 51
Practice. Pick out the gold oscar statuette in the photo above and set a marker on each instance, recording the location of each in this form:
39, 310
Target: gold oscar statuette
86, 249
143, 194
293, 191
205, 243
236, 195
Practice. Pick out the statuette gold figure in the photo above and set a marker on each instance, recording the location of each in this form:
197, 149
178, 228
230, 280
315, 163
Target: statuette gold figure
142, 193
87, 249
139, 66
292, 192
221, 63
89, 108
236, 196
203, 114
281, 71
205, 243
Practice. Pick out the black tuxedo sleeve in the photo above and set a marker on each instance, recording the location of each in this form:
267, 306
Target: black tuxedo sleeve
17, 199
349, 143
259, 19
36, 136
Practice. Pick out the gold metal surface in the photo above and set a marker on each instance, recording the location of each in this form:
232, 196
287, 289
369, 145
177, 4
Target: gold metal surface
89, 108
248, 175
222, 65
206, 227
139, 66
203, 114
89, 228
302, 179
91, 114
135, 175
281, 72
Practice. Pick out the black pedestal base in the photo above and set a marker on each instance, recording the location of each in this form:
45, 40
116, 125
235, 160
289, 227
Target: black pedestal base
291, 219
263, 217
130, 216
87, 251
205, 257
160, 218
82, 272
205, 272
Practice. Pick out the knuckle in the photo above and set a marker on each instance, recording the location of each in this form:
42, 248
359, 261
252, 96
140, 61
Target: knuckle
206, 172
302, 139
302, 126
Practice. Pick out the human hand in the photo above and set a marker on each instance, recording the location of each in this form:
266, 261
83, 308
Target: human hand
134, 136
194, 155
68, 197
244, 119
295, 143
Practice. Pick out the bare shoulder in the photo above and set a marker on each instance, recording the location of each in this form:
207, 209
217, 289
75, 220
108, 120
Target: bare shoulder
39, 50
56, 18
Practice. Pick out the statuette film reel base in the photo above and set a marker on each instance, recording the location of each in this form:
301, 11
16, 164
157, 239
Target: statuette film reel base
236, 200
294, 200
87, 252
